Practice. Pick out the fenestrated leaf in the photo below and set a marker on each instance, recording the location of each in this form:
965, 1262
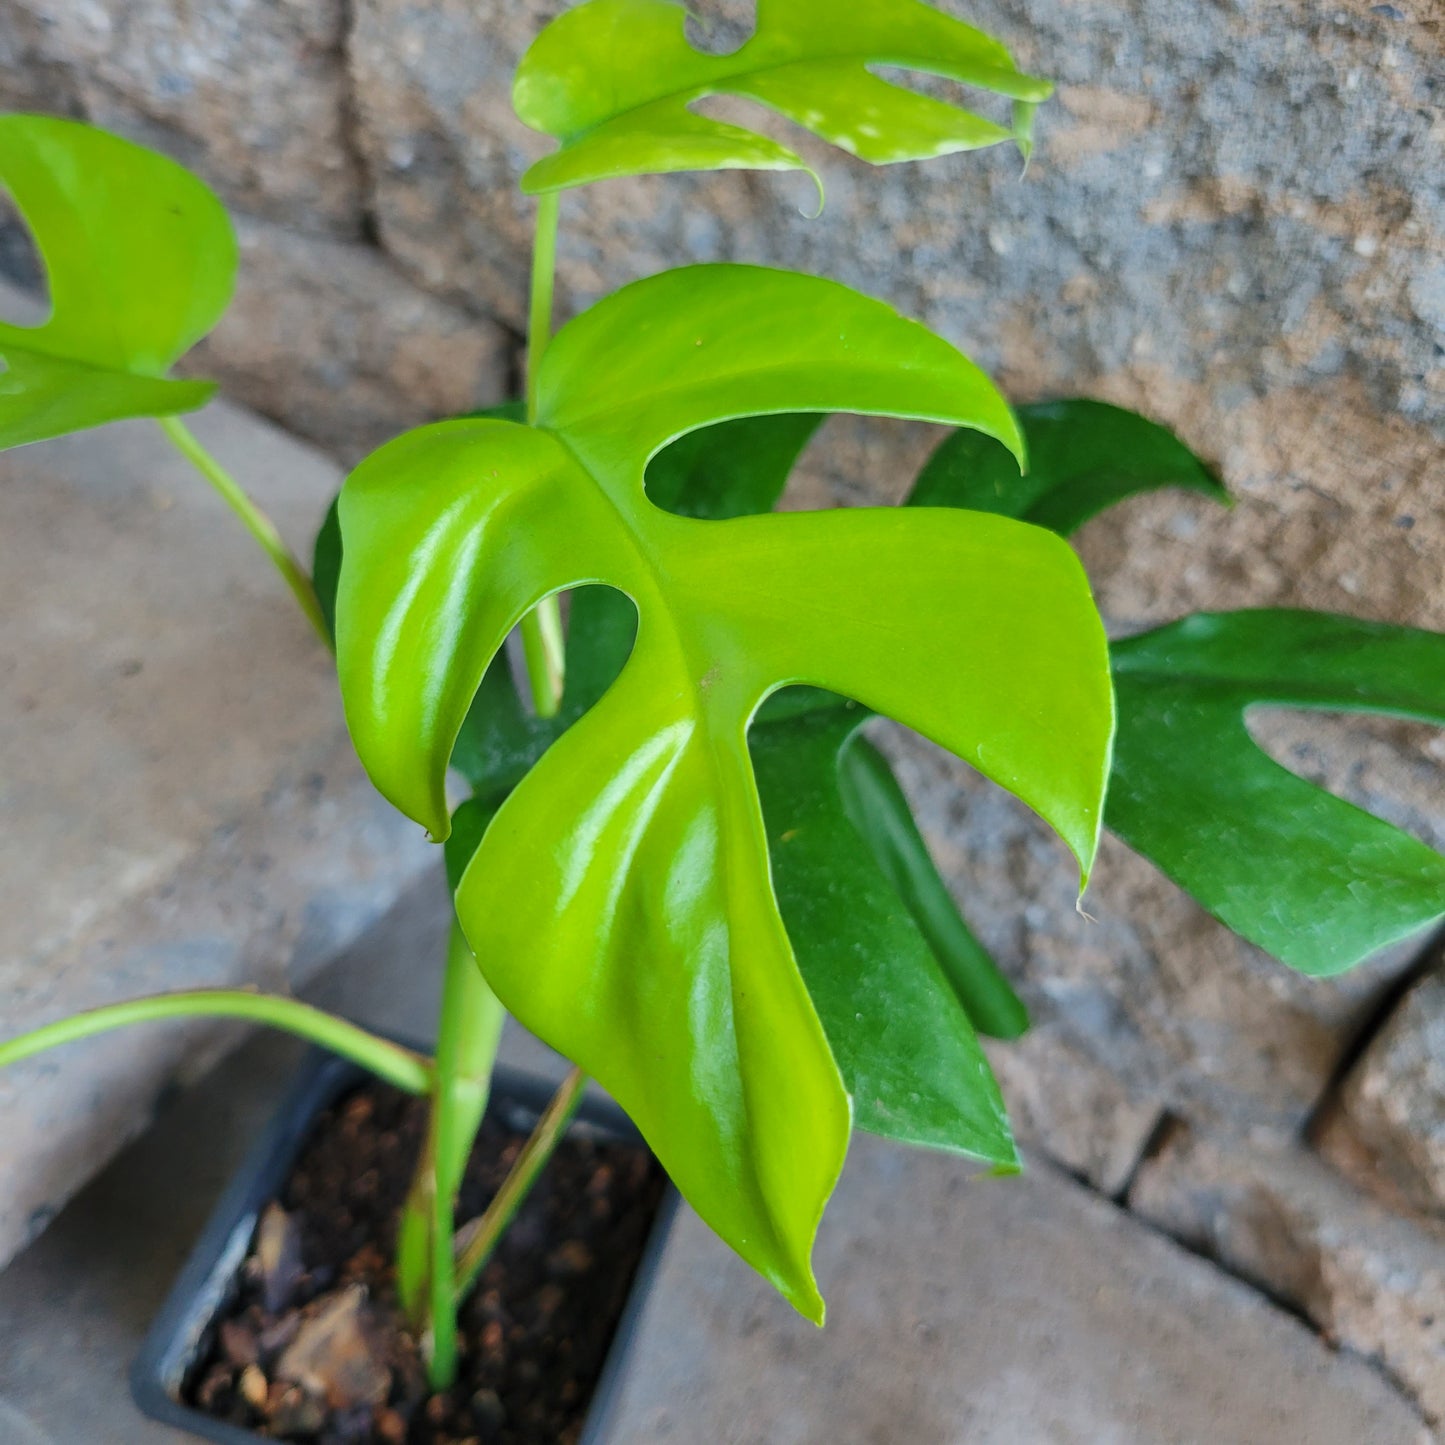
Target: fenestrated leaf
141, 261
733, 469
880, 813
501, 740
615, 82
938, 1089
902, 1039
1308, 877
620, 903
1084, 456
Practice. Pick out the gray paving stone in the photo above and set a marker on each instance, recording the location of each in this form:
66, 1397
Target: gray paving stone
181, 803
977, 1312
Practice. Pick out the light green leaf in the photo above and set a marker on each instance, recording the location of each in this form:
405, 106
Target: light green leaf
1304, 875
1084, 456
615, 82
141, 261
746, 341
898, 1029
620, 903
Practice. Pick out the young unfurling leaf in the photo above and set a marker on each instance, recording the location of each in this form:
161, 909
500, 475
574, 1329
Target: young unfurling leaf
140, 259
615, 81
633, 858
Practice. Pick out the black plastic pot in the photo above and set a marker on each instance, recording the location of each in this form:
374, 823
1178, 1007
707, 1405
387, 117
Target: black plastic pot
179, 1332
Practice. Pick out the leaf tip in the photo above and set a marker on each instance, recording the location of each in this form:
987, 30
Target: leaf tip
1023, 131
808, 1301
817, 181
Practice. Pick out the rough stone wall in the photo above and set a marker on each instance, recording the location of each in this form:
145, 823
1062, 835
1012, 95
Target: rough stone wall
1235, 221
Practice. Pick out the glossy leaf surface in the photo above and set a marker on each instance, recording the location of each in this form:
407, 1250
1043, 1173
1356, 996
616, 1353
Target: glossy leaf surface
615, 82
930, 1091
1084, 456
141, 261
900, 1034
1310, 878
621, 903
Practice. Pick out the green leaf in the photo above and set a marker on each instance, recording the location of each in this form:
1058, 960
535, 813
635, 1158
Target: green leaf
880, 813
501, 741
1313, 880
141, 261
326, 564
620, 903
900, 1034
326, 551
736, 469
615, 82
1084, 456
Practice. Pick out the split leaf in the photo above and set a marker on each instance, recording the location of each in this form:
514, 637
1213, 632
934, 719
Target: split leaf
620, 903
615, 81
141, 261
1312, 879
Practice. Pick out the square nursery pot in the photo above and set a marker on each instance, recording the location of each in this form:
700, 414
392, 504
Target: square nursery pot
181, 1332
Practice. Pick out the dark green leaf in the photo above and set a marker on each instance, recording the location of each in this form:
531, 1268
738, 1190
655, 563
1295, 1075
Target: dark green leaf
326, 565
1309, 878
736, 469
903, 1041
880, 813
1084, 456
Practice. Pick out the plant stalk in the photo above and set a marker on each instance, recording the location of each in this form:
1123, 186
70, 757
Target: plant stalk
398, 1066
468, 1034
543, 644
483, 1237
260, 526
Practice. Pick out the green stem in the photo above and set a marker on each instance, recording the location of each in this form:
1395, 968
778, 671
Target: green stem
543, 645
482, 1239
260, 526
544, 271
544, 650
396, 1065
469, 1031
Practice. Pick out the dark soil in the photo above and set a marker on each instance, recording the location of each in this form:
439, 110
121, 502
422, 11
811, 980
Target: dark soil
313, 1348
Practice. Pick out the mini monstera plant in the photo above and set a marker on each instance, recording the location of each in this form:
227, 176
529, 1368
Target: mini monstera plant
683, 863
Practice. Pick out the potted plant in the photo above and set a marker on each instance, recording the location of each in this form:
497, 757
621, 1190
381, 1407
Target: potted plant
683, 864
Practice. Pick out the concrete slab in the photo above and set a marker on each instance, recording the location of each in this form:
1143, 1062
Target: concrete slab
988, 1312
181, 804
